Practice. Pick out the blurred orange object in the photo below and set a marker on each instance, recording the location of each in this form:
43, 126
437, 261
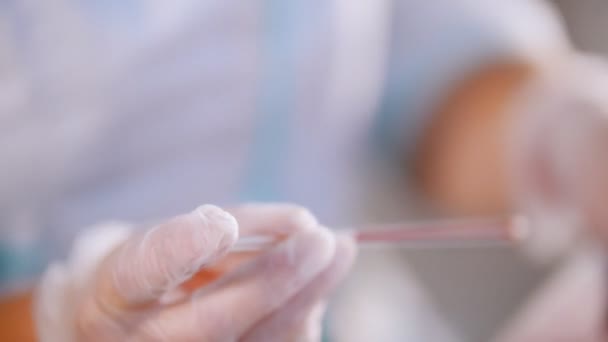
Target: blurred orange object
16, 321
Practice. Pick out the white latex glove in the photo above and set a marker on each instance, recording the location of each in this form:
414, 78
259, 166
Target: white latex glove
135, 293
560, 154
562, 146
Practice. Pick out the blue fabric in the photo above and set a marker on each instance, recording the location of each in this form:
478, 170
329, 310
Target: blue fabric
19, 263
123, 14
275, 103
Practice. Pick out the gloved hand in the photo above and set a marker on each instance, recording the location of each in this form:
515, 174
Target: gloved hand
562, 146
559, 153
135, 292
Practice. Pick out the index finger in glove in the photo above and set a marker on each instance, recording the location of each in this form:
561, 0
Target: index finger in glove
158, 260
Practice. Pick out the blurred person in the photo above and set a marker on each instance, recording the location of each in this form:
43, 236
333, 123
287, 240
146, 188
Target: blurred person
141, 109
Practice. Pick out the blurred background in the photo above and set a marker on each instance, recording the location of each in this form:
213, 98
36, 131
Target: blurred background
366, 111
584, 24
